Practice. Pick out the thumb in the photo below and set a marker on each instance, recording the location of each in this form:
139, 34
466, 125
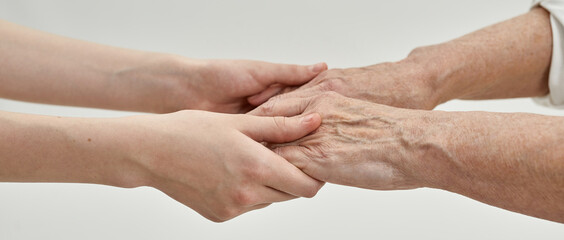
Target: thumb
279, 129
283, 105
263, 96
287, 74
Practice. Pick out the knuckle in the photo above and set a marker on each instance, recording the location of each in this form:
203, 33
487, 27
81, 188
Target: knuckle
225, 214
243, 197
254, 171
329, 73
332, 94
277, 98
325, 73
331, 84
215, 219
324, 153
268, 107
250, 75
279, 122
313, 190
321, 76
281, 125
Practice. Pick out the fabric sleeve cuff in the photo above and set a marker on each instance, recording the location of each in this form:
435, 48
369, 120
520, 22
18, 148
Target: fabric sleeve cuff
555, 98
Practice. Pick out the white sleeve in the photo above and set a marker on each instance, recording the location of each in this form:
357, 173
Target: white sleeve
555, 98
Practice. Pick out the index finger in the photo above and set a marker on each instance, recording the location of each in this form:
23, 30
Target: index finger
281, 175
288, 178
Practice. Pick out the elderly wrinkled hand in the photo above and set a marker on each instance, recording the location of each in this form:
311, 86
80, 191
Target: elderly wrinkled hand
404, 84
509, 160
358, 144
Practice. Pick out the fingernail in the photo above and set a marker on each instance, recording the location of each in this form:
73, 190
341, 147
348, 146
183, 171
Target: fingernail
307, 119
317, 67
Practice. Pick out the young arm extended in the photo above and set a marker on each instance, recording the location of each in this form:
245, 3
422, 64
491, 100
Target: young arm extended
42, 67
214, 163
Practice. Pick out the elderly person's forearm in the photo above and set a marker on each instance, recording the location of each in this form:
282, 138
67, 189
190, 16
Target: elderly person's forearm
506, 60
514, 161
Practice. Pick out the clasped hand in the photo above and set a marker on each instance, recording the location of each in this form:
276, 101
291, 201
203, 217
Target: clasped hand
358, 144
219, 168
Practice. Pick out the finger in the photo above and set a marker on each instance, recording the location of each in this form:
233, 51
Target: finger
287, 90
275, 90
270, 195
261, 97
260, 195
282, 106
279, 129
275, 172
305, 91
287, 74
258, 206
288, 178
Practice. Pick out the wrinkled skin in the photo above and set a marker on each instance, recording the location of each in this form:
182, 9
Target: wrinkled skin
399, 84
358, 144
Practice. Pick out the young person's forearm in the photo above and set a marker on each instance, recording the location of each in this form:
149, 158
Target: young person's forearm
181, 154
46, 68
54, 149
506, 60
513, 161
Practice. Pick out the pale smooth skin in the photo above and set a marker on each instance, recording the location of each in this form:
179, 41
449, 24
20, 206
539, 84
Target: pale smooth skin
46, 68
213, 163
513, 161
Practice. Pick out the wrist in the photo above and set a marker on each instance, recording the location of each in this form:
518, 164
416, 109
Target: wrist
121, 151
58, 149
157, 83
450, 141
424, 76
426, 151
413, 143
184, 82
100, 152
442, 68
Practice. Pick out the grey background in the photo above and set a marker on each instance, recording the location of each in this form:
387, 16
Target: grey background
342, 33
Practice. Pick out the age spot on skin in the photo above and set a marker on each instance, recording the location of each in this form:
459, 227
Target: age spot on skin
90, 140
